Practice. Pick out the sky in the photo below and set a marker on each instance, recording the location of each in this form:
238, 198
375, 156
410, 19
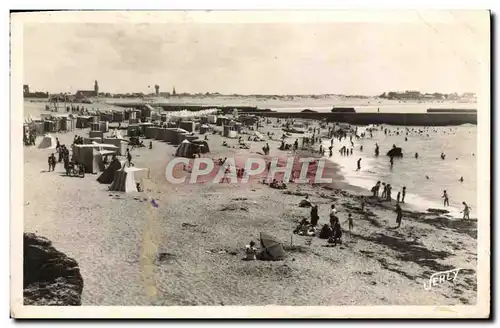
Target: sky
362, 58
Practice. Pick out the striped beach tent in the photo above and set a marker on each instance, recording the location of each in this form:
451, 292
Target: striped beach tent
185, 149
125, 179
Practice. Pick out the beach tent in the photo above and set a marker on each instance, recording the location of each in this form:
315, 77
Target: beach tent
124, 179
272, 250
48, 142
203, 144
108, 175
185, 149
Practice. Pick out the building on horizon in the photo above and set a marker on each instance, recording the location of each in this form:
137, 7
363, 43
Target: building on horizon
80, 94
26, 90
157, 90
173, 92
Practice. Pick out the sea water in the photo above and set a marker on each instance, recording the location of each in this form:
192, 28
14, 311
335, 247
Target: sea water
425, 178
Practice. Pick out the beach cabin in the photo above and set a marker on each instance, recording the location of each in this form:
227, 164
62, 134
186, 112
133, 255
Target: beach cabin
91, 156
120, 144
211, 119
118, 116
151, 132
143, 126
229, 131
189, 126
132, 117
83, 122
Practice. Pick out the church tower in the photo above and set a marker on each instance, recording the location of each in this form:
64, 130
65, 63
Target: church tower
173, 92
96, 88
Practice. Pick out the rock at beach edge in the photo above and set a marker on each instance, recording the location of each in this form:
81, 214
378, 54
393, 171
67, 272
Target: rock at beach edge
49, 276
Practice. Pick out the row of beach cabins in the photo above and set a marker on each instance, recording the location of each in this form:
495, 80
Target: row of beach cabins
104, 141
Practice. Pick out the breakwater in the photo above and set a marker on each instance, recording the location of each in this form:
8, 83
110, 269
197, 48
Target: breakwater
408, 119
194, 108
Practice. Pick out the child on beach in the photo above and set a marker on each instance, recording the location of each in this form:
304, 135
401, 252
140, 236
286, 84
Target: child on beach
351, 222
250, 252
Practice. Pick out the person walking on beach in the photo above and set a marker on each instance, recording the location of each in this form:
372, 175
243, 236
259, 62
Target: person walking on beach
359, 164
403, 194
466, 211
376, 150
399, 215
416, 155
398, 197
446, 201
52, 162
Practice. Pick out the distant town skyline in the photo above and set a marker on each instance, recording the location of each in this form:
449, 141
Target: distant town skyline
268, 59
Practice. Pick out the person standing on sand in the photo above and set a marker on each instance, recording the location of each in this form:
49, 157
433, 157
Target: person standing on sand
384, 191
388, 194
399, 216
377, 151
446, 201
403, 194
314, 215
398, 197
359, 164
333, 216
466, 211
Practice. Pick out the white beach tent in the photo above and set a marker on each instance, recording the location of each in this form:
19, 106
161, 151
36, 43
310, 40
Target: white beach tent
125, 179
48, 142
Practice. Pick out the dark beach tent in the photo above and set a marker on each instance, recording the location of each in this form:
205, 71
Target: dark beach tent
272, 250
108, 175
185, 149
203, 144
395, 152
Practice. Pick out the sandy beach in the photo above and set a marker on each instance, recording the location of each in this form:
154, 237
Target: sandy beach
201, 231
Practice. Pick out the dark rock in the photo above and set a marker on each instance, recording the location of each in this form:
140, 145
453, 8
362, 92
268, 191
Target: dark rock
437, 210
50, 277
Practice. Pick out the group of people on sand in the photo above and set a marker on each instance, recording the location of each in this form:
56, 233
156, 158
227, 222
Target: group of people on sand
386, 194
332, 232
